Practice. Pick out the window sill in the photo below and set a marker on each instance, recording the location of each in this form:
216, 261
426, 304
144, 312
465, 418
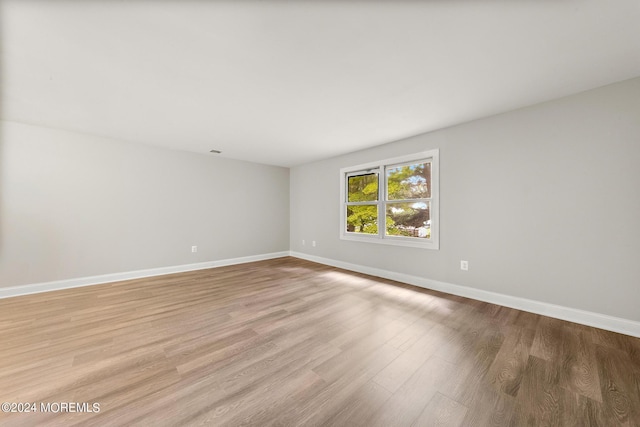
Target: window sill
391, 241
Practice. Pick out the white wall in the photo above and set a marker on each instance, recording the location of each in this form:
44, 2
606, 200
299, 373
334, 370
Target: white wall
73, 205
544, 202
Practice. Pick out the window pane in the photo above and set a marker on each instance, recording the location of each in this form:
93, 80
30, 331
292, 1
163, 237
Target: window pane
408, 219
409, 182
362, 219
363, 188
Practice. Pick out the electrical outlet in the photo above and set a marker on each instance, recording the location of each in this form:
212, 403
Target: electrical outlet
313, 243
304, 242
194, 249
464, 265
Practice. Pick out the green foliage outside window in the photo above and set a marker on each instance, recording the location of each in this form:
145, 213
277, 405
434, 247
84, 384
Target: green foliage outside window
404, 183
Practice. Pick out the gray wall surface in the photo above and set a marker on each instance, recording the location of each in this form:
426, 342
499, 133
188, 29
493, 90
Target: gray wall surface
73, 205
544, 203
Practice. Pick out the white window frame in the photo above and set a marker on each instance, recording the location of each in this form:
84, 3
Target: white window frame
381, 166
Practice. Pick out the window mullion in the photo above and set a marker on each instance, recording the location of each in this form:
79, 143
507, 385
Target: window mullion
369, 203
382, 198
424, 199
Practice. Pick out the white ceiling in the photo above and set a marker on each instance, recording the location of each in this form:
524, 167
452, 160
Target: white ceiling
286, 83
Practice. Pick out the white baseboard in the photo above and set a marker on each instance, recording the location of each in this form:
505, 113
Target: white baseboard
601, 321
35, 288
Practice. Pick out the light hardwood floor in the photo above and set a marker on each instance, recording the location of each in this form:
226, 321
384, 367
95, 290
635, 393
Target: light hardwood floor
290, 342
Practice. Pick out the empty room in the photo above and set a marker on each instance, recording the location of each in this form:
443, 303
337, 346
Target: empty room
320, 213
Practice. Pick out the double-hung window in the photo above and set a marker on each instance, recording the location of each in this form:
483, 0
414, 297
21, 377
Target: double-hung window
392, 201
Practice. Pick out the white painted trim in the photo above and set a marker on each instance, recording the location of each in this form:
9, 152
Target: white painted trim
116, 277
597, 320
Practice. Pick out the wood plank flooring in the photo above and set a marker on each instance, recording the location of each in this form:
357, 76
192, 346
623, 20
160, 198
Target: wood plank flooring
288, 342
